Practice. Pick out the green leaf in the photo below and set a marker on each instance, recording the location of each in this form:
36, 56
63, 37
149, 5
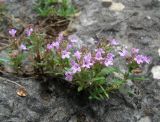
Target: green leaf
132, 66
99, 80
116, 83
107, 71
30, 47
80, 88
104, 91
2, 60
98, 93
138, 78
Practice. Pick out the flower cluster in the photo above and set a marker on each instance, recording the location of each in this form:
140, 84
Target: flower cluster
80, 60
28, 32
135, 56
87, 68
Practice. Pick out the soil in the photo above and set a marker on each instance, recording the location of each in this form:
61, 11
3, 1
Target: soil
48, 100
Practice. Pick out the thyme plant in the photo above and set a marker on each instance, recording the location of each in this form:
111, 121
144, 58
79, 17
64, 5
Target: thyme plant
54, 7
90, 70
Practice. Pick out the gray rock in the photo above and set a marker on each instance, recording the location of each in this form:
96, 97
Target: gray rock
156, 3
53, 102
146, 2
5, 111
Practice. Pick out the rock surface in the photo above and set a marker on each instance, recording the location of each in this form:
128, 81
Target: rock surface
21, 9
136, 26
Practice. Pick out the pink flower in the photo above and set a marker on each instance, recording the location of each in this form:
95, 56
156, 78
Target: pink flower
29, 31
23, 47
140, 59
123, 53
65, 54
77, 54
12, 32
68, 76
60, 37
56, 44
69, 46
73, 38
99, 53
134, 51
109, 60
75, 67
110, 56
147, 59
49, 46
98, 56
114, 42
100, 50
87, 63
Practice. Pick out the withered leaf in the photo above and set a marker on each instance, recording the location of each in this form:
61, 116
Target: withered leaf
22, 92
137, 71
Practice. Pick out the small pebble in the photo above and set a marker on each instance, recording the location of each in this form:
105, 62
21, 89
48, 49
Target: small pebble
145, 119
156, 72
159, 51
148, 17
106, 3
117, 7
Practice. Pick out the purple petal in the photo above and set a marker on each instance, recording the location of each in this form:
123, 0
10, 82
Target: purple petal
23, 47
114, 42
12, 32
